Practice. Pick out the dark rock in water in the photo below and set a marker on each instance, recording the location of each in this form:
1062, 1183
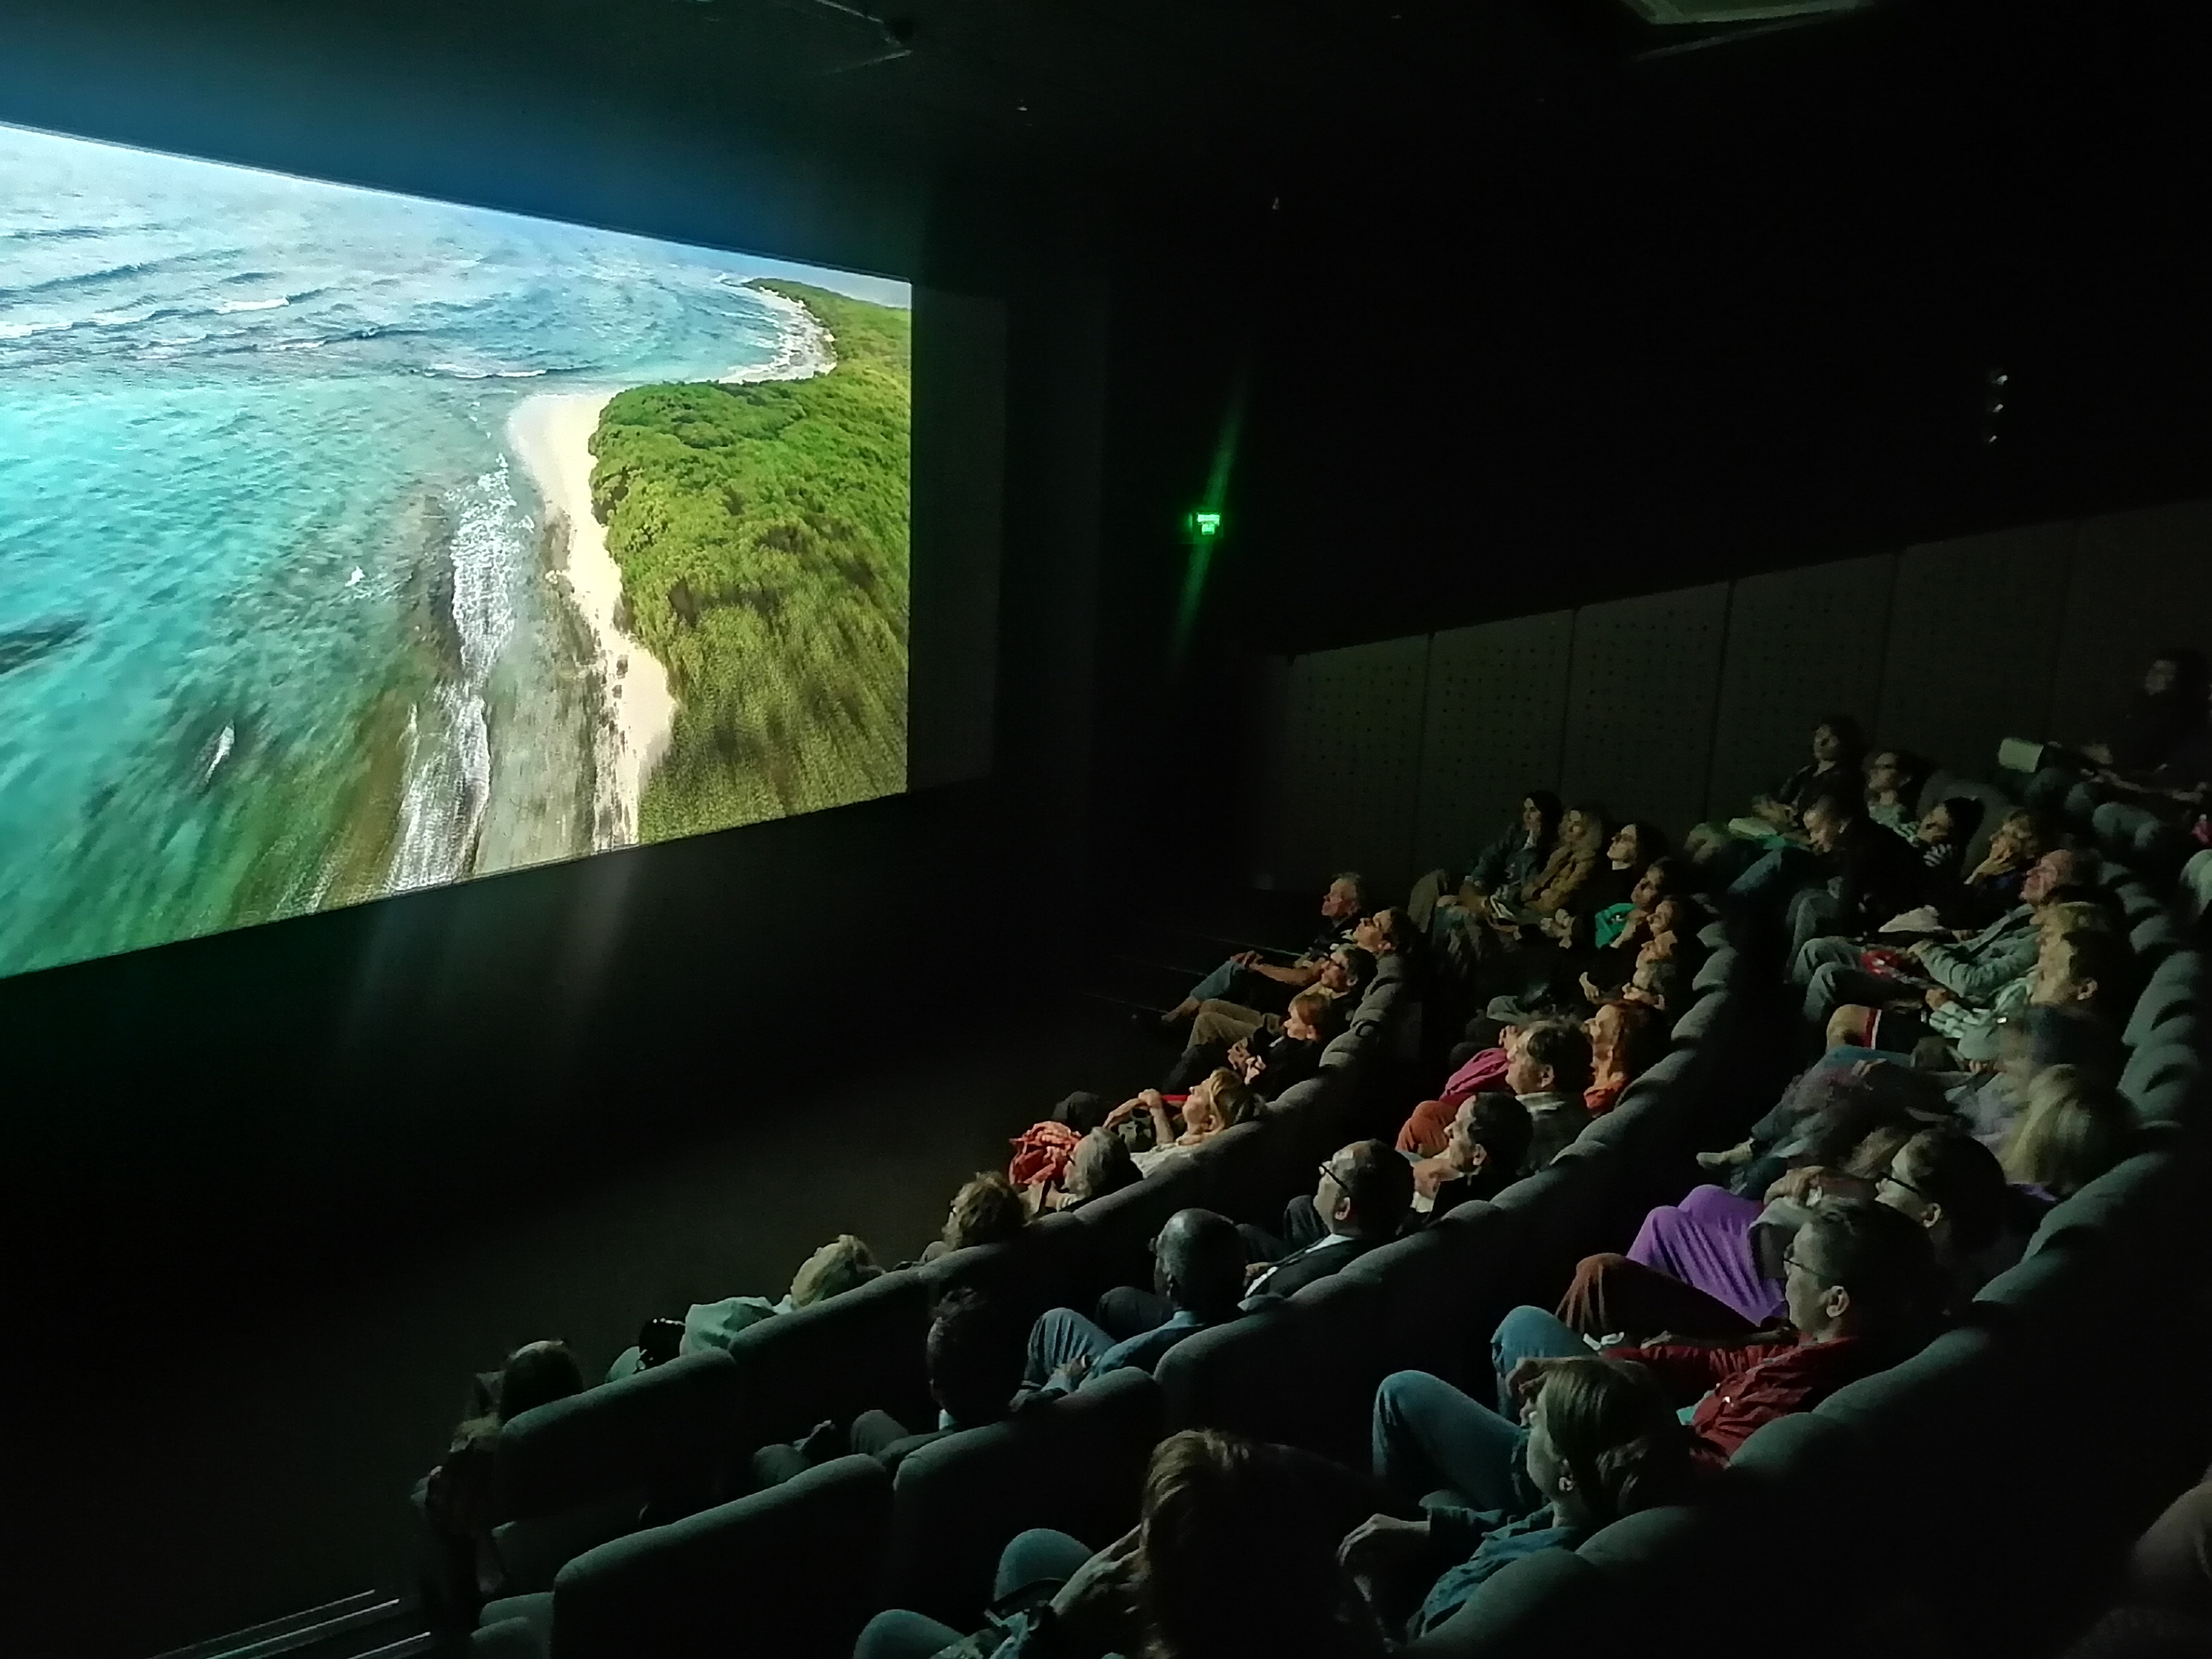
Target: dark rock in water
21, 646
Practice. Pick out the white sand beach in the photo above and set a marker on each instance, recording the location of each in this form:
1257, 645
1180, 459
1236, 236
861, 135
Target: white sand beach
551, 434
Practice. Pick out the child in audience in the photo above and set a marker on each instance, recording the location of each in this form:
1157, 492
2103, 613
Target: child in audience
1599, 1441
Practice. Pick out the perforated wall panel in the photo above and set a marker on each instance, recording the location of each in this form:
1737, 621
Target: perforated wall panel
2140, 581
1972, 630
1640, 699
1497, 710
1801, 644
1351, 761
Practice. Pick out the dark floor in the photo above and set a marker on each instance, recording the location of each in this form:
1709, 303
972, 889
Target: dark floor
240, 1466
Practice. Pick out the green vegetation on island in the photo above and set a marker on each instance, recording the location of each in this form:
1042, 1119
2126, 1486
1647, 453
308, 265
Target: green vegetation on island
762, 534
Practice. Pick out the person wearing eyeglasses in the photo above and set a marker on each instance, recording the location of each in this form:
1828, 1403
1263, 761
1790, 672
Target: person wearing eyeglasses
1361, 1201
1859, 1287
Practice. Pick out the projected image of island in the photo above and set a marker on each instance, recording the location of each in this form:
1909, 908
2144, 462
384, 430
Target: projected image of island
351, 543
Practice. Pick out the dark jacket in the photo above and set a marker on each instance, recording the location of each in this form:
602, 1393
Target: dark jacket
1287, 1061
1311, 1264
1878, 876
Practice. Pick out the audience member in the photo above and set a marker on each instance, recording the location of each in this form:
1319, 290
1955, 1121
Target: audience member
1873, 875
1249, 976
1232, 1557
1508, 917
1198, 1265
1221, 1100
1549, 1068
456, 1498
1270, 1060
987, 1210
1626, 1040
1484, 1151
1600, 1442
1365, 1192
1892, 788
1099, 1165
1859, 1292
1502, 865
2166, 711
2076, 1126
974, 1357
1993, 887
1345, 975
844, 1263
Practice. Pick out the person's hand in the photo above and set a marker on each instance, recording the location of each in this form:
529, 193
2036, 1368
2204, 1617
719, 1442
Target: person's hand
1097, 1605
1800, 1185
2100, 753
1919, 949
1254, 1269
1590, 990
1382, 1544
1937, 996
1240, 1049
1128, 1108
1072, 1371
1528, 1376
1430, 1173
1246, 958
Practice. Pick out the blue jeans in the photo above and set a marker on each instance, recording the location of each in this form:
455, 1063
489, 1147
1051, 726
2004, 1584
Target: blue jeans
1059, 1336
1531, 1333
1216, 984
1035, 1557
1773, 876
1428, 1435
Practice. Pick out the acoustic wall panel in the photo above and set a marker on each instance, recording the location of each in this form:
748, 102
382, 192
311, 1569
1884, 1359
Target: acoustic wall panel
2140, 581
1644, 679
1352, 762
1497, 710
1972, 630
1801, 644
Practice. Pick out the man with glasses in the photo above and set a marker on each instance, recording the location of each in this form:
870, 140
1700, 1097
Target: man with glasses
1362, 1201
1858, 1284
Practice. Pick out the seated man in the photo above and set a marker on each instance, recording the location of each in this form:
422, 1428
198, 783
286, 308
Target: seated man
1872, 875
1198, 1265
1549, 1068
1248, 974
1859, 1295
1270, 1061
974, 1356
1362, 1201
1517, 853
843, 1264
1484, 1154
1971, 971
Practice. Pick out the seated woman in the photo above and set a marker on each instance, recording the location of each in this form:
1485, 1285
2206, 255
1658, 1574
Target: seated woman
1519, 852
2077, 1127
1428, 1125
456, 1498
1219, 1102
844, 1263
1892, 786
1598, 1441
1233, 1555
1662, 928
1271, 1060
1626, 1040
987, 1210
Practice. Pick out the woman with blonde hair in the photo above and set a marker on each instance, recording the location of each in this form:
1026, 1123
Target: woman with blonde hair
1219, 1100
1599, 1441
2075, 1128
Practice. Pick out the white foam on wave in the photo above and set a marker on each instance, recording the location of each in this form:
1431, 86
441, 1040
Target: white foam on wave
803, 349
465, 371
448, 770
227, 306
25, 331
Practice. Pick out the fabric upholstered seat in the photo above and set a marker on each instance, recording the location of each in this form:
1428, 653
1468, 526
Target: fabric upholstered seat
1302, 1372
747, 1577
1445, 1288
1026, 1274
835, 1360
1076, 1466
1121, 1225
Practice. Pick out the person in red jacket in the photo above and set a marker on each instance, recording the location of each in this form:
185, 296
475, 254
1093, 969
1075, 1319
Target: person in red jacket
1862, 1287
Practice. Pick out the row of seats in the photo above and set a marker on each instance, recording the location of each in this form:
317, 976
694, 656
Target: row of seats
673, 1440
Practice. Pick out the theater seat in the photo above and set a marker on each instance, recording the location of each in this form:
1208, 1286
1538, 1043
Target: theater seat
577, 1471
2153, 938
1026, 1274
1719, 967
835, 1360
2175, 988
1445, 1289
1302, 1372
1076, 1466
747, 1577
1121, 1225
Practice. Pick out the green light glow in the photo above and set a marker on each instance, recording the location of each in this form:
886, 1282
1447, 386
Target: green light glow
1205, 523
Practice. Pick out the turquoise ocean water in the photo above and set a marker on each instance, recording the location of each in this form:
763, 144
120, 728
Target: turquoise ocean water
276, 631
